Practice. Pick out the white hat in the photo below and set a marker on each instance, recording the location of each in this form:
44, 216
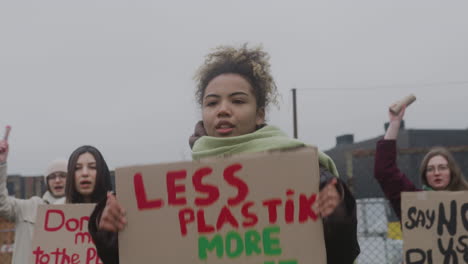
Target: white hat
56, 166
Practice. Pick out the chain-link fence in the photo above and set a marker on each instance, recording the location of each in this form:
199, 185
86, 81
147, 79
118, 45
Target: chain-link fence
379, 238
379, 230
7, 234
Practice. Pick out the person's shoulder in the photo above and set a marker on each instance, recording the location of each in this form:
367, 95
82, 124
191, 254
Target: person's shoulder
28, 205
31, 200
35, 200
50, 199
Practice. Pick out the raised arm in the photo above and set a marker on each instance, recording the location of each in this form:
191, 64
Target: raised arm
7, 205
394, 124
386, 172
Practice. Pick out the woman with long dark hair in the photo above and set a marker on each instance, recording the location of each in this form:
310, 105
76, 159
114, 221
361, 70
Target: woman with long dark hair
88, 179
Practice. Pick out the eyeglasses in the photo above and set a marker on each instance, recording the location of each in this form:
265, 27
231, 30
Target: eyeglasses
54, 176
441, 167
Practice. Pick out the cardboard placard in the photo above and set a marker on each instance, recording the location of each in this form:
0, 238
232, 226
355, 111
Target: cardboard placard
435, 227
61, 235
257, 208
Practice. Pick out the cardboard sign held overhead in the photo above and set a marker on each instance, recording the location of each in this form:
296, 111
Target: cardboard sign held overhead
435, 227
256, 208
61, 235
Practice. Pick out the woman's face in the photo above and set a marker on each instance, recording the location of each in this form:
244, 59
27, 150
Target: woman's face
85, 175
56, 182
230, 107
438, 173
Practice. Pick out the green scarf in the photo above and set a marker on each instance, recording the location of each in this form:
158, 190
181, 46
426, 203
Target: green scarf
264, 139
427, 188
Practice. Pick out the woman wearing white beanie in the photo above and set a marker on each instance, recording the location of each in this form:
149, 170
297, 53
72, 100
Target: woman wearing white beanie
55, 178
23, 211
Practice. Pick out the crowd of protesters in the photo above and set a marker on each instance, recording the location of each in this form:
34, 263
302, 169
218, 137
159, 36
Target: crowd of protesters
234, 89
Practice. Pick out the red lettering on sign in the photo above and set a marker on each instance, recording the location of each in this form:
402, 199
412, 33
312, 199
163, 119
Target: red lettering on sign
57, 256
253, 218
305, 208
142, 201
242, 187
202, 226
211, 190
289, 207
46, 222
71, 224
173, 189
225, 216
61, 255
75, 259
272, 212
185, 216
37, 255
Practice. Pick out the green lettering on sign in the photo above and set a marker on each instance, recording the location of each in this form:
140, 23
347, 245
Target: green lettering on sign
290, 261
252, 237
230, 236
204, 244
235, 244
271, 244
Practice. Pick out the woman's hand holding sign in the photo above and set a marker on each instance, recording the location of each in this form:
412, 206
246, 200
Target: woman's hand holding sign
328, 199
113, 217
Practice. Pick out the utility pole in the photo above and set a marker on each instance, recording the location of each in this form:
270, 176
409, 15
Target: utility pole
294, 112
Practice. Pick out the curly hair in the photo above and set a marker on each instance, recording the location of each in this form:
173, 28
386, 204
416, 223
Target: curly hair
250, 63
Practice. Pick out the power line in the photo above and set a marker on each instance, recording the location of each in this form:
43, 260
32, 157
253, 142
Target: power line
453, 84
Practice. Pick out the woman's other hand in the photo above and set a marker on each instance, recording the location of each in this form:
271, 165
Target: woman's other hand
113, 217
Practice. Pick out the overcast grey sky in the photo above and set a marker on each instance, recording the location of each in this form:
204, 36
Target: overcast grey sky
118, 74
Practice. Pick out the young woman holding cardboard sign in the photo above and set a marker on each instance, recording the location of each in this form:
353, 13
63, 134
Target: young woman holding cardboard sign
234, 88
438, 170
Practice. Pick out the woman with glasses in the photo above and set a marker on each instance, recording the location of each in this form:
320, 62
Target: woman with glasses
438, 171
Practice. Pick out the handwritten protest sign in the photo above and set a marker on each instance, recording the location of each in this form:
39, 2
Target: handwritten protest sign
435, 227
258, 208
61, 235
